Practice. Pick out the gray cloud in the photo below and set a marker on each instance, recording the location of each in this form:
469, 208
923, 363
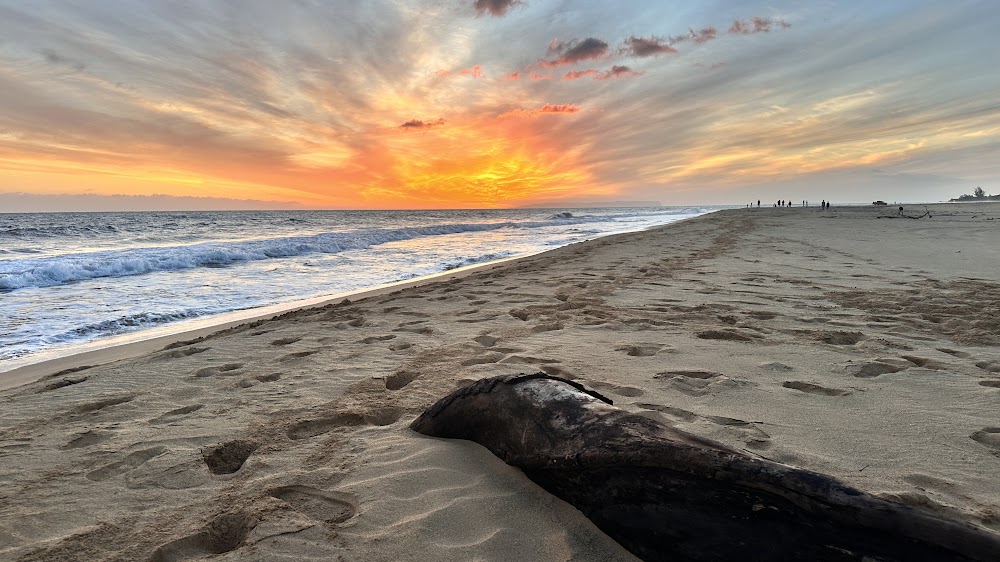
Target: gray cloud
496, 7
698, 37
574, 51
418, 124
757, 25
646, 46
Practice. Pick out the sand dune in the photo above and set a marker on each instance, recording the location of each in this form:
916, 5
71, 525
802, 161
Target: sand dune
832, 340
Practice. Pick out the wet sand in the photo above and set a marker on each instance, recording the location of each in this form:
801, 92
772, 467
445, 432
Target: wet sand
838, 341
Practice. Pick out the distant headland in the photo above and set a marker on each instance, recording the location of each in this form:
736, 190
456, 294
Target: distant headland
978, 194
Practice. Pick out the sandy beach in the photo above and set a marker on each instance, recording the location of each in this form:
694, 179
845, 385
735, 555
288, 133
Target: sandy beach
850, 341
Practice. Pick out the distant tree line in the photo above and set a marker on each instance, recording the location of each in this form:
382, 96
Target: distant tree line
978, 194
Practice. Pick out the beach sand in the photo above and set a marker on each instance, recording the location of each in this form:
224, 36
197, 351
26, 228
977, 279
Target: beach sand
861, 347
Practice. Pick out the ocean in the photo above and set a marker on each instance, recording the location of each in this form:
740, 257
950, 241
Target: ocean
76, 281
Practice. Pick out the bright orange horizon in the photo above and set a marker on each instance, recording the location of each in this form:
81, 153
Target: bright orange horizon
389, 106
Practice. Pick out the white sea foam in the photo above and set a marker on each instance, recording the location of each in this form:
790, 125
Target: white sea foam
67, 279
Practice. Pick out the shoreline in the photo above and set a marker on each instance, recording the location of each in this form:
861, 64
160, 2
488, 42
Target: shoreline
129, 345
32, 372
136, 345
867, 350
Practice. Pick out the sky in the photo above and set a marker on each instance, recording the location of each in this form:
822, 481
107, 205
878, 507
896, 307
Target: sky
379, 104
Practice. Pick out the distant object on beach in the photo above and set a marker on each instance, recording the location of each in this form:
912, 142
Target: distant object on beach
879, 203
978, 194
665, 494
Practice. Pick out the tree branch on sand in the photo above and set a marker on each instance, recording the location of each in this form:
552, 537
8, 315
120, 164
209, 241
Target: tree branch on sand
926, 214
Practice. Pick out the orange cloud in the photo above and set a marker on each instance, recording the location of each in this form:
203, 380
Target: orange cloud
547, 108
477, 162
615, 72
513, 76
577, 74
474, 71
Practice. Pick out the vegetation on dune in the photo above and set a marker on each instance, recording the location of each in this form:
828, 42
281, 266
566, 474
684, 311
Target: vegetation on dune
978, 194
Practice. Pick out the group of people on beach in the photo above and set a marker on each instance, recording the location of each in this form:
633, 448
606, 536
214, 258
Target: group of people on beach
784, 203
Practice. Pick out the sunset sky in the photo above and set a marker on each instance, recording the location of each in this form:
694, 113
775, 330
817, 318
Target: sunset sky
497, 103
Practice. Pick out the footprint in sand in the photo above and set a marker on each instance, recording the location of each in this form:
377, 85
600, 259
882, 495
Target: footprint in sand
179, 353
834, 337
269, 377
376, 339
810, 388
871, 369
331, 507
642, 349
527, 360
400, 379
420, 330
775, 366
754, 436
926, 363
285, 341
91, 407
558, 372
298, 355
227, 369
626, 391
129, 463
727, 335
698, 383
485, 341
678, 413
991, 384
990, 366
550, 327
225, 533
319, 426
228, 457
520, 314
63, 383
176, 413
88, 439
483, 359
990, 437
694, 374
952, 352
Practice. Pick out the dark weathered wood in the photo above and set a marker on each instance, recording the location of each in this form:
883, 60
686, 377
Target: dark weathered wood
669, 495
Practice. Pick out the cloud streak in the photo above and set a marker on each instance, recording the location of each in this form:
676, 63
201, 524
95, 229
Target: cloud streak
756, 25
549, 108
617, 71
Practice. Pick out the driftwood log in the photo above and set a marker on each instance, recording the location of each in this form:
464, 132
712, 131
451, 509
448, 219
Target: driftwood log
667, 495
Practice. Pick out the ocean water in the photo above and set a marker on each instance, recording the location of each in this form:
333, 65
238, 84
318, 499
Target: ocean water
73, 280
